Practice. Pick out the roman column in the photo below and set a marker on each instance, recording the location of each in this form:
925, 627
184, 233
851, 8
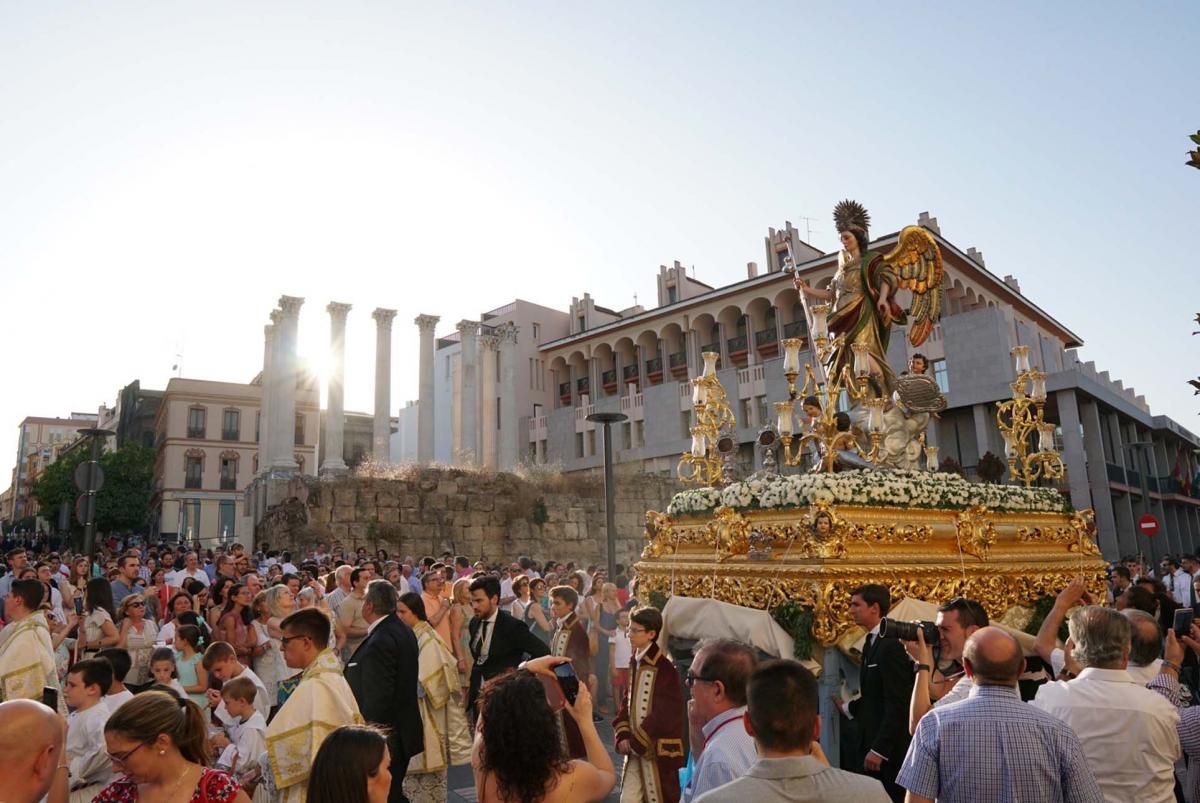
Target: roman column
333, 462
487, 399
425, 411
469, 401
264, 404
508, 396
381, 433
284, 380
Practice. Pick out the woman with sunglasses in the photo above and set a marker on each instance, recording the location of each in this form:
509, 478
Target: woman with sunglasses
137, 636
160, 744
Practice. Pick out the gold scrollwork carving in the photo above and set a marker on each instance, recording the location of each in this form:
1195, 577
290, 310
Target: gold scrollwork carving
976, 533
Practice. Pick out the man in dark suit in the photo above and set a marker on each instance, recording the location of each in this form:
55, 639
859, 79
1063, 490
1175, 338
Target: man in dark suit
498, 640
886, 681
383, 675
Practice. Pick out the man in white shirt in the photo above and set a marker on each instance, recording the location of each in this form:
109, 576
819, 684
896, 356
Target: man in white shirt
1180, 581
344, 587
1129, 734
722, 748
191, 571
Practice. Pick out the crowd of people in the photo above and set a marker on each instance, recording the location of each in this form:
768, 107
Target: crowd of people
167, 672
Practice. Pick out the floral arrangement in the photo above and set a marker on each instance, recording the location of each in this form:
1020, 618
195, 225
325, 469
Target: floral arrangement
920, 489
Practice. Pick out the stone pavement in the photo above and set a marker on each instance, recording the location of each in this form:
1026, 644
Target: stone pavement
462, 784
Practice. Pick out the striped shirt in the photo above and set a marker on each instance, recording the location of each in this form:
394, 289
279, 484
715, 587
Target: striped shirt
994, 747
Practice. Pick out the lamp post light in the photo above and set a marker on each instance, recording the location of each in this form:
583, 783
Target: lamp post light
610, 488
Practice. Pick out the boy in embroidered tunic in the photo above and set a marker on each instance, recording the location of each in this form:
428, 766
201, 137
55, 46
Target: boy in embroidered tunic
570, 639
649, 724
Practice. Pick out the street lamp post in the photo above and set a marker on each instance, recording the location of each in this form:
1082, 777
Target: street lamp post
94, 480
1141, 446
610, 488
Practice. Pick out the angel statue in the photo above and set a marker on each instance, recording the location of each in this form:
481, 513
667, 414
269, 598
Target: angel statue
864, 290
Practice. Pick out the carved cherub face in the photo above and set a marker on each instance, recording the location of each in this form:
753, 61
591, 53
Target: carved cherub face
823, 524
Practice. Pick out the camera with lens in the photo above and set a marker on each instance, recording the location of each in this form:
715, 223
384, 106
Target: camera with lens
907, 631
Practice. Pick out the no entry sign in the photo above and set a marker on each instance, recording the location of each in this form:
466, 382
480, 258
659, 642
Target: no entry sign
1148, 525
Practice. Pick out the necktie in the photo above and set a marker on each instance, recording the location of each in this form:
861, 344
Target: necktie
870, 643
481, 656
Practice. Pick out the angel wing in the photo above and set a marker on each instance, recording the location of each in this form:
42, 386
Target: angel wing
917, 261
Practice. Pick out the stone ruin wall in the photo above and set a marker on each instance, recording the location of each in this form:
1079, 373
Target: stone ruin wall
490, 517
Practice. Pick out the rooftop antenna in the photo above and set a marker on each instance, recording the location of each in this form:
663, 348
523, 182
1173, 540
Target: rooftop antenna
635, 299
807, 228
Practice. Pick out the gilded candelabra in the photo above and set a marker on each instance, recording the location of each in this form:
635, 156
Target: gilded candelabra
707, 463
1022, 416
824, 432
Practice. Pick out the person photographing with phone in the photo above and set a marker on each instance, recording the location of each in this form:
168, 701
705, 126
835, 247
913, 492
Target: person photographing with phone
518, 703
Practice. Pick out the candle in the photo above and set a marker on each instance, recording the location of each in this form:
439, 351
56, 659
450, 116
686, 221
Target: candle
710, 362
783, 417
699, 393
875, 415
1021, 356
931, 458
1010, 448
697, 442
791, 355
1037, 386
862, 364
1046, 438
820, 328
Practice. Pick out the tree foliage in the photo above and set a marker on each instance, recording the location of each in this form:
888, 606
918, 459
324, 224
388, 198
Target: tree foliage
124, 501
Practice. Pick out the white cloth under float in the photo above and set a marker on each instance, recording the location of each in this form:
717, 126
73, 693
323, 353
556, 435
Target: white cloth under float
696, 618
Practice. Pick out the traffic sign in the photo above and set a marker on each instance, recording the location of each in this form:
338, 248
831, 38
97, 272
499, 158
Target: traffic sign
1148, 525
81, 476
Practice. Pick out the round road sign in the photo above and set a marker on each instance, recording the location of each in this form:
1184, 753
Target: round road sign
1148, 525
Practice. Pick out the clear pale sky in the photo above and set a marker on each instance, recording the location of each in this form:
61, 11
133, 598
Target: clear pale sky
169, 169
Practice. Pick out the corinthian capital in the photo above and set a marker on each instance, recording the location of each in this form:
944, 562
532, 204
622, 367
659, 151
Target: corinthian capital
466, 328
488, 342
426, 323
337, 311
289, 306
383, 317
507, 333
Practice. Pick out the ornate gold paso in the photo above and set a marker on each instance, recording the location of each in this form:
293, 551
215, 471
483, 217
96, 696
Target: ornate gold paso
817, 555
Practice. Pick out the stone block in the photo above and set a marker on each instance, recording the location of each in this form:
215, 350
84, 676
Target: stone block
433, 501
388, 515
481, 502
410, 516
457, 502
343, 515
344, 496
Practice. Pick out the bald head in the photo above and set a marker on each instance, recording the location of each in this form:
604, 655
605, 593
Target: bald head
31, 745
993, 657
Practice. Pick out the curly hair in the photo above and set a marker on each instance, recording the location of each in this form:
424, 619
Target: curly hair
512, 706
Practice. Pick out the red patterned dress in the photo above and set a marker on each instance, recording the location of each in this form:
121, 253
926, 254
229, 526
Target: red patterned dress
214, 787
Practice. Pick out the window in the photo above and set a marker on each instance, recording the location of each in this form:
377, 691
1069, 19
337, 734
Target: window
193, 471
941, 375
498, 412
299, 430
229, 472
189, 519
639, 433
196, 422
537, 332
225, 520
672, 294
627, 432
231, 425
582, 323
591, 442
258, 425
685, 419
764, 411
578, 444
447, 367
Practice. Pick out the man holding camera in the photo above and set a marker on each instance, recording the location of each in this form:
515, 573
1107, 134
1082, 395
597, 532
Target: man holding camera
956, 621
886, 681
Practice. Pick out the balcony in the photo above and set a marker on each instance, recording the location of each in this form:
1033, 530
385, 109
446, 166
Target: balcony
766, 341
629, 373
230, 435
795, 329
678, 364
564, 393
191, 481
654, 370
195, 432
736, 345
714, 347
583, 385
228, 483
609, 380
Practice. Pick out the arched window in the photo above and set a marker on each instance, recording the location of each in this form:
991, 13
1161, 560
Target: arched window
229, 470
193, 468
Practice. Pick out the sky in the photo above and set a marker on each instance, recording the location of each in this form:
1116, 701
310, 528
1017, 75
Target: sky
169, 169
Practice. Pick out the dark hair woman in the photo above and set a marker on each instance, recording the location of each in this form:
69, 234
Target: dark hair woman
98, 628
161, 744
511, 707
352, 764
218, 595
234, 625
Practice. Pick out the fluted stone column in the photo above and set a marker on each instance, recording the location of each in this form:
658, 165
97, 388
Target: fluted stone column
381, 431
283, 402
265, 442
425, 409
333, 462
487, 399
468, 370
508, 396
